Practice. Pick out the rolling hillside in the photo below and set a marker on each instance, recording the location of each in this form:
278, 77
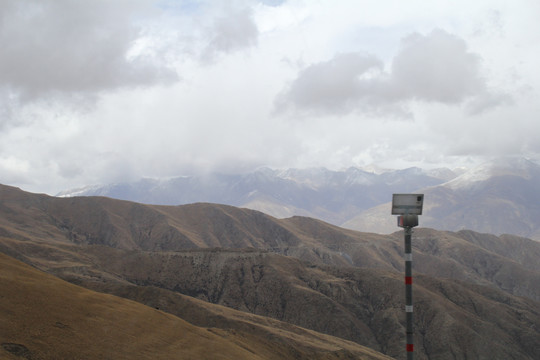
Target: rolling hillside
44, 317
301, 271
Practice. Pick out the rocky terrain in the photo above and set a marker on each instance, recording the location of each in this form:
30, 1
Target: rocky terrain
470, 288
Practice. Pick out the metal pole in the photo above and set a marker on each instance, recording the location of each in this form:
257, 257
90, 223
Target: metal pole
408, 292
409, 206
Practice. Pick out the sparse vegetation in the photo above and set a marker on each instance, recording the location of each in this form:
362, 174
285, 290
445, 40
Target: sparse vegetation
224, 271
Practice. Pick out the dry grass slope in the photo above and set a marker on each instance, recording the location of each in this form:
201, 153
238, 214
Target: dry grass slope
44, 317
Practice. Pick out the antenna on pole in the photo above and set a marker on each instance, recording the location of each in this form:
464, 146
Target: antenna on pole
408, 207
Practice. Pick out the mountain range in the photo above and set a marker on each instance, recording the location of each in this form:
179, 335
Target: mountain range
501, 197
332, 196
277, 288
497, 197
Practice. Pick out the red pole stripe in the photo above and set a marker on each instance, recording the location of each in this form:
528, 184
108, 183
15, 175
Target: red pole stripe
408, 280
410, 348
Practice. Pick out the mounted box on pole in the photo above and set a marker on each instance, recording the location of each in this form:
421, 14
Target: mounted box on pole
408, 207
407, 204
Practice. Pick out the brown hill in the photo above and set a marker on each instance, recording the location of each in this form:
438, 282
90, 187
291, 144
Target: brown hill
125, 248
363, 305
46, 318
127, 225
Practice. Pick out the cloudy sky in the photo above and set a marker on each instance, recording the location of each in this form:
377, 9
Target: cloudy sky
112, 90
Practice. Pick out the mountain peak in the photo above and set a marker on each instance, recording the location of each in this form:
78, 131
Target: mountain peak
514, 166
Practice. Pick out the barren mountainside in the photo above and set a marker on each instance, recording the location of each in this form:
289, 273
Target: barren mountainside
469, 287
44, 317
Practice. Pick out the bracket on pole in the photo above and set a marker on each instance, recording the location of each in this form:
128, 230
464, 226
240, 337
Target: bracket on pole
406, 221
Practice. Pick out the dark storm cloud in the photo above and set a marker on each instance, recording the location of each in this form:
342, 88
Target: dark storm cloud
68, 46
432, 68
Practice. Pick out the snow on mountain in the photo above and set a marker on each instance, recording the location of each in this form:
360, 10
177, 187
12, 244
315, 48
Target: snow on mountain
508, 166
445, 173
496, 197
83, 191
500, 196
322, 177
333, 196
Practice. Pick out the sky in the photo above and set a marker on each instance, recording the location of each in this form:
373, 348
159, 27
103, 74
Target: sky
103, 91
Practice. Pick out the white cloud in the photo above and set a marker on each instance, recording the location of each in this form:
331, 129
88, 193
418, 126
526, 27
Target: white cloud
110, 90
335, 86
55, 47
230, 32
435, 67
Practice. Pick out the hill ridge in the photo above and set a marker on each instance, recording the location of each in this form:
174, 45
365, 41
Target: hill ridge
302, 270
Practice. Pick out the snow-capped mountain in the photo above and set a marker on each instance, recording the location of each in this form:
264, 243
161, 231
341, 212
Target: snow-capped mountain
520, 167
333, 196
501, 196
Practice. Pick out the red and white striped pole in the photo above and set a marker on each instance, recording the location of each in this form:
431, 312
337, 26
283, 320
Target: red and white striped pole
408, 292
409, 206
